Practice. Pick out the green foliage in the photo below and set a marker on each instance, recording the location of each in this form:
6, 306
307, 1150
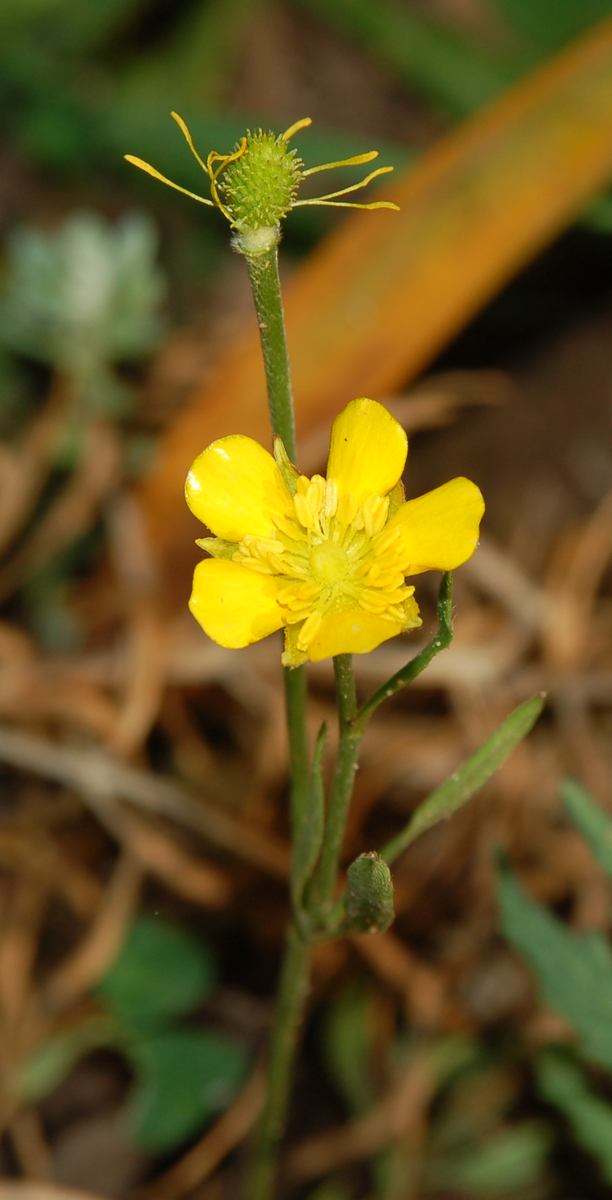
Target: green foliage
502, 1165
574, 971
330, 1191
160, 972
347, 1040
594, 825
452, 72
469, 777
461, 71
184, 1078
85, 297
546, 27
50, 1062
563, 1084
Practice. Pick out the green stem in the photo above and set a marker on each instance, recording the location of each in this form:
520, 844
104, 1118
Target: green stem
291, 998
342, 788
442, 638
265, 286
267, 297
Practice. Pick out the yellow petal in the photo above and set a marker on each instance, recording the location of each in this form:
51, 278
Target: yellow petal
234, 606
368, 449
351, 632
440, 529
235, 488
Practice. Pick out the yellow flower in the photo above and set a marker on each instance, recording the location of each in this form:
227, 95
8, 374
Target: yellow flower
323, 559
256, 185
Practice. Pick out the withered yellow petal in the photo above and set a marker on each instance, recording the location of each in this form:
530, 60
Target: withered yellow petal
234, 606
440, 529
367, 451
235, 488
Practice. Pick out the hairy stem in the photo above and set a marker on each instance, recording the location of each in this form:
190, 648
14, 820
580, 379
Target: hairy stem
295, 971
441, 639
265, 286
342, 788
290, 1002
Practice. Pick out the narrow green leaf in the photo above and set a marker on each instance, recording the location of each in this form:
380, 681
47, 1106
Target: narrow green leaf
348, 1035
574, 972
594, 824
330, 1190
185, 1077
562, 1083
309, 834
428, 55
48, 1064
503, 1165
161, 972
469, 777
547, 27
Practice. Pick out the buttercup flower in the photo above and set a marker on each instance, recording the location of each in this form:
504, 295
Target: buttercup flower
323, 559
257, 183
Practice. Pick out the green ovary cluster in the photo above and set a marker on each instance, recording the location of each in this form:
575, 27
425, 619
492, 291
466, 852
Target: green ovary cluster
260, 186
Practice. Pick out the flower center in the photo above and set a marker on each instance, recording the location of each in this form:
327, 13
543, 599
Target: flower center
329, 563
333, 554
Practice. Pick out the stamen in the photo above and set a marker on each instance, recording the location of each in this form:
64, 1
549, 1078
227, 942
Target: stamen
331, 498
353, 187
144, 166
303, 123
357, 160
348, 204
375, 509
224, 160
184, 128
309, 630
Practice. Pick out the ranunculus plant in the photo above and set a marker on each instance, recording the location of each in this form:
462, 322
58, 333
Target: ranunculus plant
327, 561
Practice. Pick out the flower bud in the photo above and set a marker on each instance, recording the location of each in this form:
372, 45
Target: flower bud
369, 894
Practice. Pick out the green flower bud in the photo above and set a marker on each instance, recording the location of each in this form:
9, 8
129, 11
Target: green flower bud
369, 895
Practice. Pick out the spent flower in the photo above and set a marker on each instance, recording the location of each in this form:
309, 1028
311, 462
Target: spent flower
325, 559
257, 183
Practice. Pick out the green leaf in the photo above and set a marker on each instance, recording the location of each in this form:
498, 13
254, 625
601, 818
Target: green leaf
469, 777
549, 26
47, 1065
427, 54
594, 824
574, 972
330, 1191
84, 297
160, 972
563, 1084
348, 1036
309, 834
501, 1166
185, 1077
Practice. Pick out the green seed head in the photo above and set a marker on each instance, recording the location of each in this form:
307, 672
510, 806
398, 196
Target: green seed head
260, 186
369, 894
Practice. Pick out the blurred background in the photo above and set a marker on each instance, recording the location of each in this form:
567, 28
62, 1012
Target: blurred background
467, 1052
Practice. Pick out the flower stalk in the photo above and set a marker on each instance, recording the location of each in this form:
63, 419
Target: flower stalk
326, 560
289, 1009
264, 278
342, 788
